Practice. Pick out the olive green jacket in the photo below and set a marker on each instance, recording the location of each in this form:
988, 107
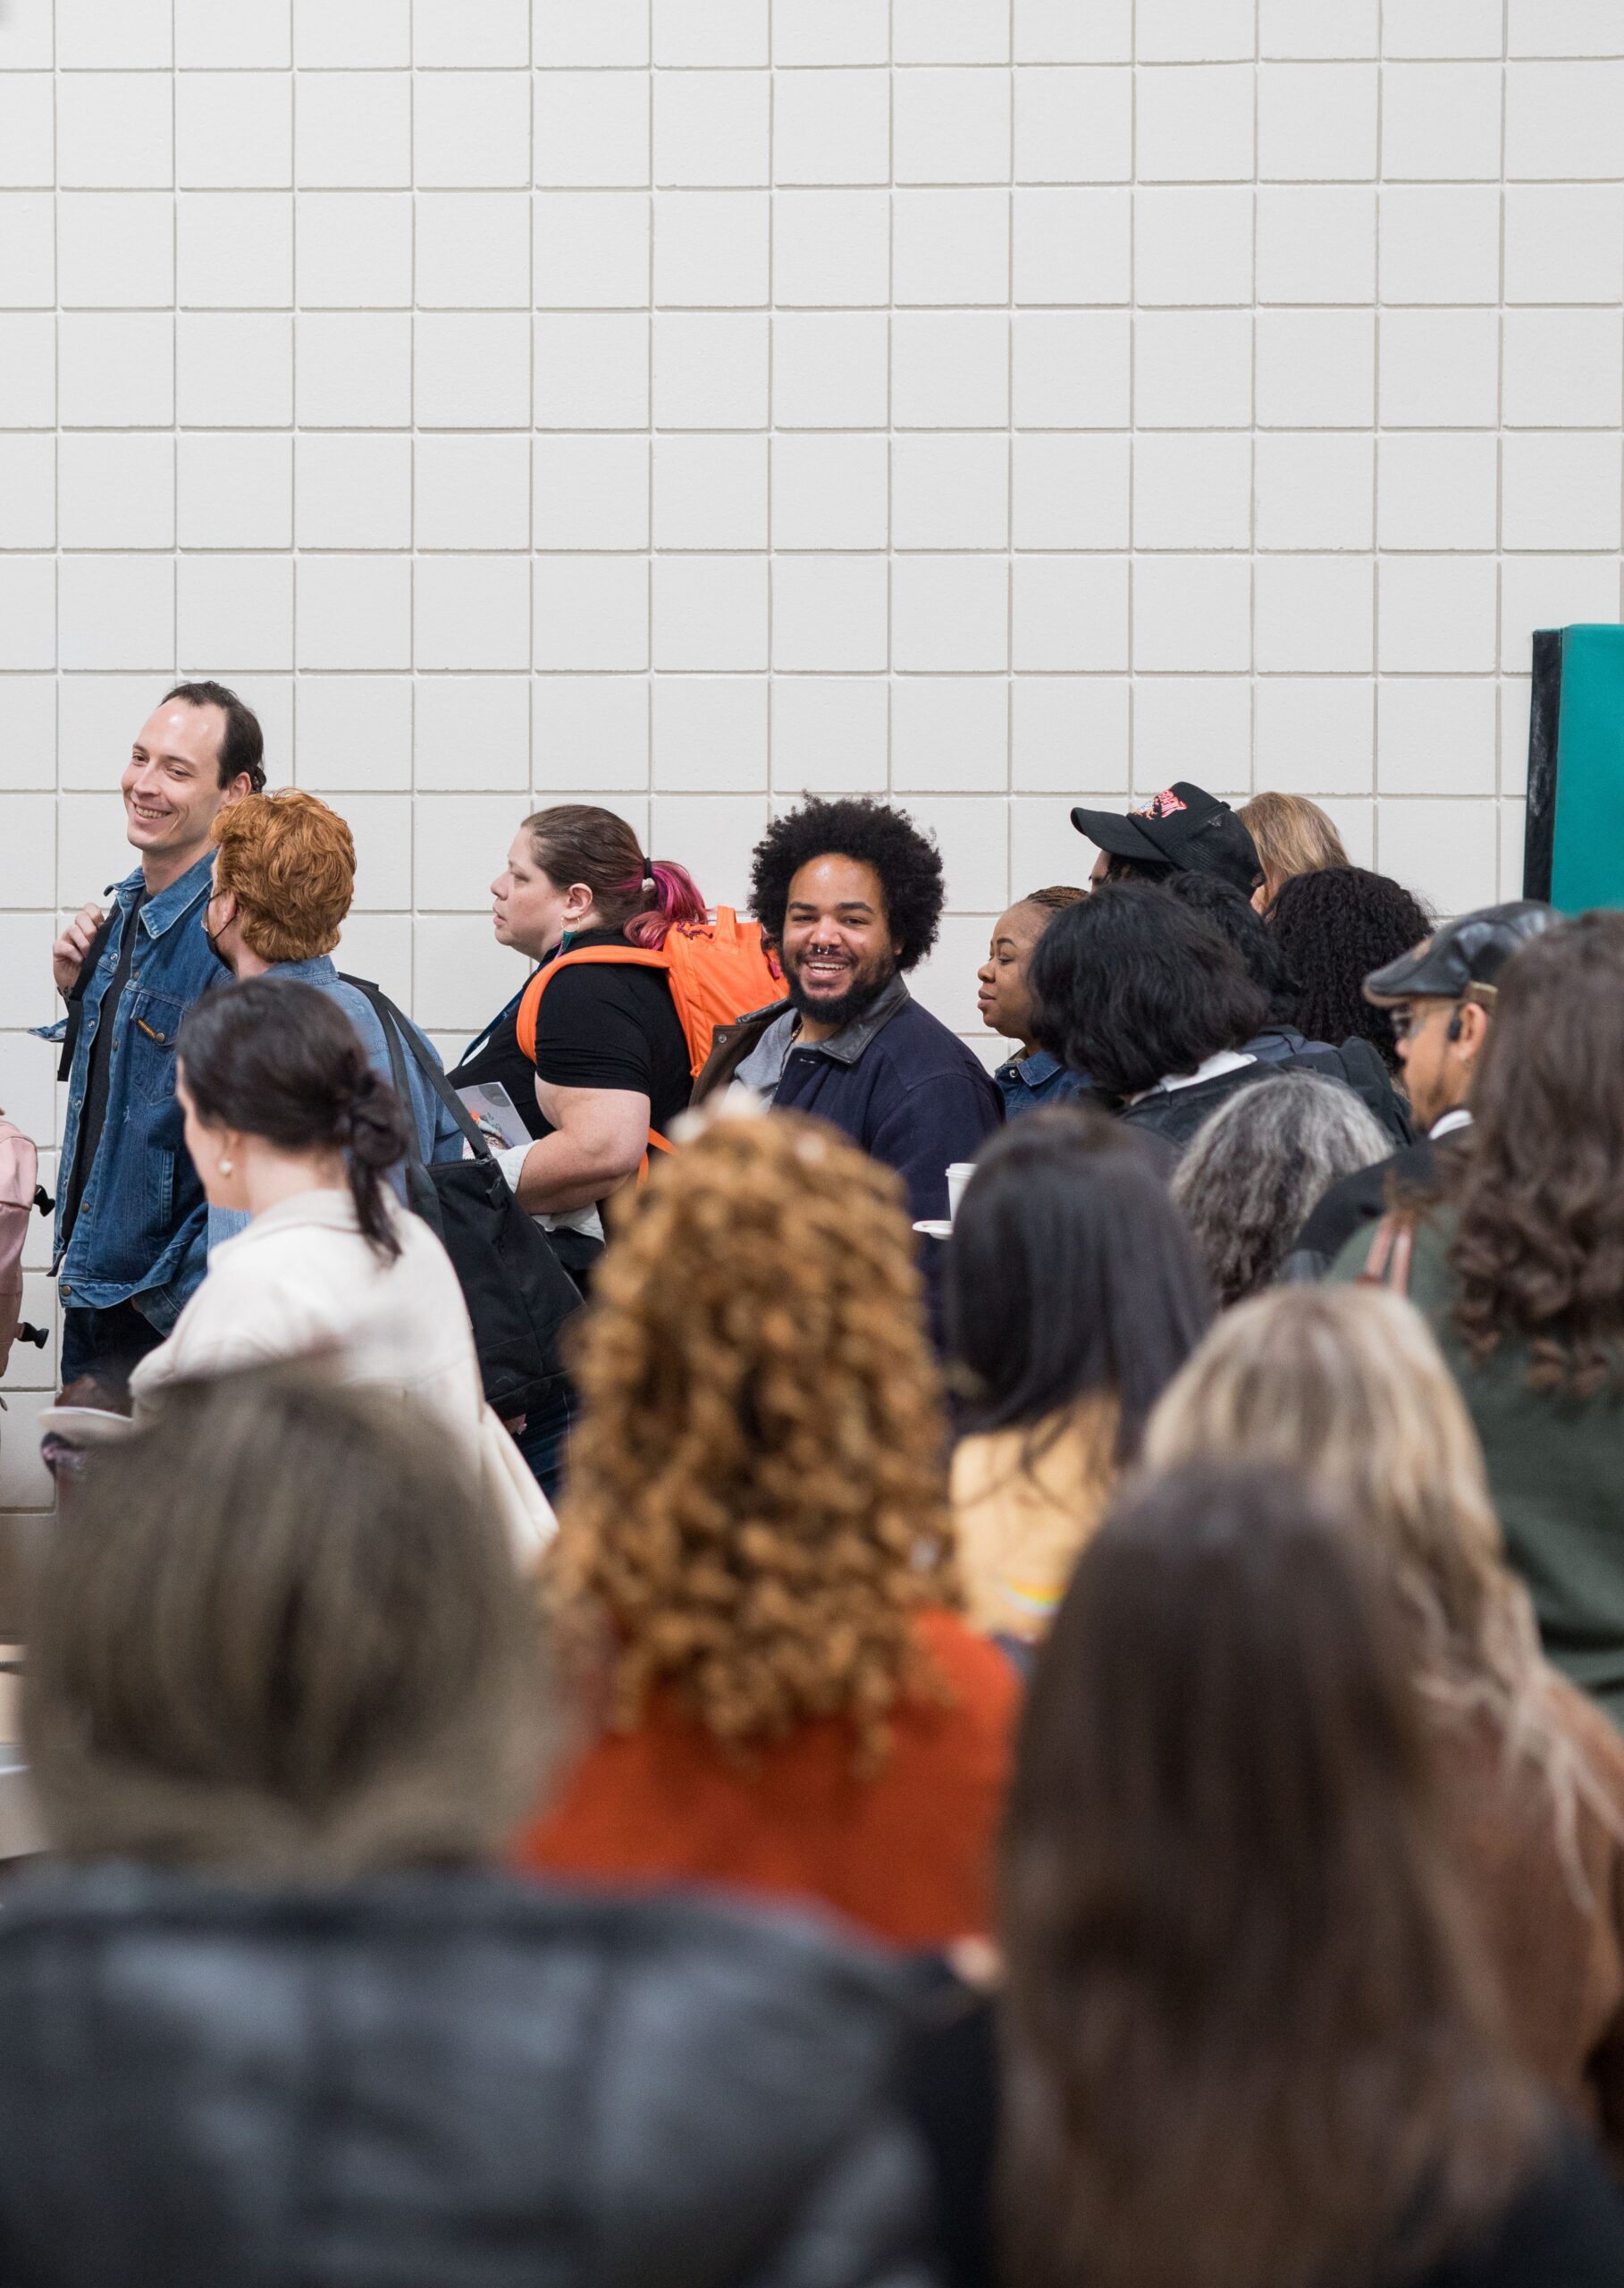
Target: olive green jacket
1556, 1472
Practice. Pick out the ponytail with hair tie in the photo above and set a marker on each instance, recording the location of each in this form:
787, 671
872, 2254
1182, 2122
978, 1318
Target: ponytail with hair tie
370, 1129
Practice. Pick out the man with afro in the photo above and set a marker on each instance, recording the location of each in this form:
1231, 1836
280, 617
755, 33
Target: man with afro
849, 892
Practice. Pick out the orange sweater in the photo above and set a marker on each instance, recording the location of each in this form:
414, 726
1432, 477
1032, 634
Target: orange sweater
908, 1853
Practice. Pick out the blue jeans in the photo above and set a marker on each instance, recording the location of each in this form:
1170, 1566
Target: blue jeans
544, 1440
108, 1344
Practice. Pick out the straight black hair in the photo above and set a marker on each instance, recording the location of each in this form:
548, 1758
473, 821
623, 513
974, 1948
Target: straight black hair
1069, 1272
1130, 986
279, 1060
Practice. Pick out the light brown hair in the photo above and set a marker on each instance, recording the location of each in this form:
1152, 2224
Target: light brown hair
1249, 2037
276, 1635
290, 863
757, 1504
1292, 835
1347, 1387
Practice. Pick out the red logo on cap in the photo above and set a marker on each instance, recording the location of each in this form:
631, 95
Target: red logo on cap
1163, 807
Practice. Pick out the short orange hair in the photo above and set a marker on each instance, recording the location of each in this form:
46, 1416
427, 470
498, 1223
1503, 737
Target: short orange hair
290, 863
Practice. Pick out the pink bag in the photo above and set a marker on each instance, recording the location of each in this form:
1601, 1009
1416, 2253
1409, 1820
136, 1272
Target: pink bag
20, 1194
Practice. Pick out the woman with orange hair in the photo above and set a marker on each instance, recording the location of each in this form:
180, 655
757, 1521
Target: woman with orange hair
754, 1560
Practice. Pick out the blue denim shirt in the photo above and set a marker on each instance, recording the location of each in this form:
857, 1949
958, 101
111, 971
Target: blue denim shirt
439, 1137
1029, 1081
142, 1224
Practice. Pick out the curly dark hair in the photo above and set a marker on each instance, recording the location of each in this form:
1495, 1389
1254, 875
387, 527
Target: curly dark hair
1333, 928
875, 834
1538, 1252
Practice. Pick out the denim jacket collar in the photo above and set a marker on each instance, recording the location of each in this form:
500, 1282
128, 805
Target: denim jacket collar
1033, 1070
319, 969
167, 906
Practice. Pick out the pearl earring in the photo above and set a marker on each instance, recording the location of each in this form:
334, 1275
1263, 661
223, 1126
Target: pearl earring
225, 1167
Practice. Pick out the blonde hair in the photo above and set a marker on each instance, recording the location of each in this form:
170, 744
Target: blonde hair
757, 1501
1292, 835
1347, 1387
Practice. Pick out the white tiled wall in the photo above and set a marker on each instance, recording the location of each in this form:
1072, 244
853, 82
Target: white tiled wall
692, 402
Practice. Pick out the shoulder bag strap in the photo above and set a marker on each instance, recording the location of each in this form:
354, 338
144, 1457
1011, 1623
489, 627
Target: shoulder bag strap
396, 1033
617, 956
1388, 1262
80, 987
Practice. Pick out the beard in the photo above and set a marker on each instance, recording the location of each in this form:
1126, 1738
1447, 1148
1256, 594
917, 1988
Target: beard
867, 984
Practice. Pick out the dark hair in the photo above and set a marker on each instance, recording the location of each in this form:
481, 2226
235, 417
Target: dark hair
1130, 986
277, 1633
1333, 928
1238, 920
278, 1059
874, 834
1070, 1274
642, 899
1538, 1250
1119, 867
1249, 2036
242, 744
1055, 899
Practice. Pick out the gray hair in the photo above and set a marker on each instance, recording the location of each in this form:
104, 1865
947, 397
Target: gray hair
1256, 1169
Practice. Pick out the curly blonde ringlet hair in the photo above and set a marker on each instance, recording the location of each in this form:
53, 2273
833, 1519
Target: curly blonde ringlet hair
757, 1501
1347, 1386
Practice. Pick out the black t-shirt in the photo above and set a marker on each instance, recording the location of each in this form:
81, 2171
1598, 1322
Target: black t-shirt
99, 1071
614, 1025
601, 1026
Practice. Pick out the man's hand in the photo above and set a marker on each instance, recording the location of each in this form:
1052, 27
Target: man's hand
68, 953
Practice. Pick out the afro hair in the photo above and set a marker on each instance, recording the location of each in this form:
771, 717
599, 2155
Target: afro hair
909, 868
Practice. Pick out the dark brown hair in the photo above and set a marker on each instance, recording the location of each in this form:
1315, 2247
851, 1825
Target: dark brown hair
1539, 1252
278, 1634
279, 1059
242, 743
1055, 899
642, 897
1249, 2043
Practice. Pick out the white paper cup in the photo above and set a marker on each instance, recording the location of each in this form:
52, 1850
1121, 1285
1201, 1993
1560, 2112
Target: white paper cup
958, 1176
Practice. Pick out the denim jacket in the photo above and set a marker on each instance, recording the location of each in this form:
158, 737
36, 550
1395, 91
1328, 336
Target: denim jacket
141, 1231
1025, 1082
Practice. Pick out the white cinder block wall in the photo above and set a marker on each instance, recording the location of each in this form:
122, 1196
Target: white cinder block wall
686, 403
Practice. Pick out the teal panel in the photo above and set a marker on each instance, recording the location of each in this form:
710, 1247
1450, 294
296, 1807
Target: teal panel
1587, 860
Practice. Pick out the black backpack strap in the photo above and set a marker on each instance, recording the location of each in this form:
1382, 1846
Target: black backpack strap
397, 1033
80, 987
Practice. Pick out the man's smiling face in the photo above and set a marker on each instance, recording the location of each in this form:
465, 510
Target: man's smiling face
170, 784
838, 952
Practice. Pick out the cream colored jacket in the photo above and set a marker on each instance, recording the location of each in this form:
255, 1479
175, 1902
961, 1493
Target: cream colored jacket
302, 1282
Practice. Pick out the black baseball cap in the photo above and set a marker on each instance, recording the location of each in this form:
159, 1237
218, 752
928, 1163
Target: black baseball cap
1462, 957
1183, 827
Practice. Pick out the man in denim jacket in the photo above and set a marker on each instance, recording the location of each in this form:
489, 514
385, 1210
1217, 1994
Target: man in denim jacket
131, 1222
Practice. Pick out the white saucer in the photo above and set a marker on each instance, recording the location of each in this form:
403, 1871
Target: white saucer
86, 1426
936, 1228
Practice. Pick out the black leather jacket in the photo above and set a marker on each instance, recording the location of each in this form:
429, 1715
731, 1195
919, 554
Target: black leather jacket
442, 2081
